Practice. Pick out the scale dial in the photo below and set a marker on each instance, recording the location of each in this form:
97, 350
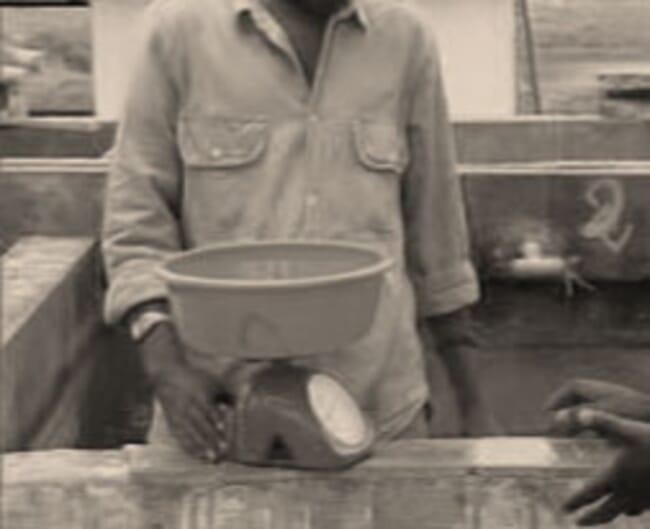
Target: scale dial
337, 412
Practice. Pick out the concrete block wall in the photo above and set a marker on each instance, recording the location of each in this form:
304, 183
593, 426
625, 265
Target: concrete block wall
459, 484
50, 311
554, 201
66, 380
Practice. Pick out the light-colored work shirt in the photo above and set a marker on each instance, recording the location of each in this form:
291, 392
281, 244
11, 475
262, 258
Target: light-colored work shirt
224, 139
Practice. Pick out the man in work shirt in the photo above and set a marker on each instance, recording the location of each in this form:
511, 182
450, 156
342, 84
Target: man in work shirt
276, 119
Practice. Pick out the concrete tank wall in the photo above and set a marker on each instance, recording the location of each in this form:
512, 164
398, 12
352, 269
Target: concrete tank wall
456, 484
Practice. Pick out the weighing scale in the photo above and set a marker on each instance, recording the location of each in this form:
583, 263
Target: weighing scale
279, 301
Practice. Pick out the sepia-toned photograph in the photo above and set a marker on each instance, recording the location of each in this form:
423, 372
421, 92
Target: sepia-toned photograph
324, 264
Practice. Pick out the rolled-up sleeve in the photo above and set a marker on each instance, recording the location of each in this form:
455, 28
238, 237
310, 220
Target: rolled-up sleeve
437, 246
141, 216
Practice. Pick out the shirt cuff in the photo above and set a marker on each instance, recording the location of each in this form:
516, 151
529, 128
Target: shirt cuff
129, 289
446, 291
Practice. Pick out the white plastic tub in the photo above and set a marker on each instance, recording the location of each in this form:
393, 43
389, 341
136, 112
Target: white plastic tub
274, 299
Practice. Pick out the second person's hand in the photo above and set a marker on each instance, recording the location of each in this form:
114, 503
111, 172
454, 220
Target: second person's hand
621, 487
597, 395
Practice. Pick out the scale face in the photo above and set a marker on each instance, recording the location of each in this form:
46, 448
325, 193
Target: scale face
336, 410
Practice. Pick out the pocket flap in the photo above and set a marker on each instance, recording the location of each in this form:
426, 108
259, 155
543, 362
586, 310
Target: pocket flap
218, 142
381, 146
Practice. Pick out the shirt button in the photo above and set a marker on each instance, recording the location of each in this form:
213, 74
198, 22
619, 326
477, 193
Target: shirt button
216, 152
312, 200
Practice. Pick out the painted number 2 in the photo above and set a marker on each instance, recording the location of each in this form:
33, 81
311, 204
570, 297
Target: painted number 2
607, 198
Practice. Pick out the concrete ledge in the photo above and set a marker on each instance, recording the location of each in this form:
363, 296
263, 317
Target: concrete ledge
550, 138
452, 484
582, 209
50, 311
493, 140
55, 137
42, 196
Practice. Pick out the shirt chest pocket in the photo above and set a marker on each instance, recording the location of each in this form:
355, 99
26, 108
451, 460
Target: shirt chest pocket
216, 143
381, 147
223, 161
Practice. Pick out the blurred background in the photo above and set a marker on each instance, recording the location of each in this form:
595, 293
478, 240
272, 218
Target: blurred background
573, 41
63, 82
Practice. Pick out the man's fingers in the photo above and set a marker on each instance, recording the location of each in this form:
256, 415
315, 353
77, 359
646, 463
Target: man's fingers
564, 421
193, 431
612, 426
594, 490
199, 420
605, 512
189, 441
220, 419
211, 422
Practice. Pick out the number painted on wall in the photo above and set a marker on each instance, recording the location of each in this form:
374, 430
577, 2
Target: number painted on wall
607, 198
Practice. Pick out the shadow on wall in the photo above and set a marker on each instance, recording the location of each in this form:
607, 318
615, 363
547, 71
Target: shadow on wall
118, 403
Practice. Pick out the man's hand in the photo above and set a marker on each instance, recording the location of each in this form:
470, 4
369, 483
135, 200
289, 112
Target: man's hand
597, 395
622, 487
187, 396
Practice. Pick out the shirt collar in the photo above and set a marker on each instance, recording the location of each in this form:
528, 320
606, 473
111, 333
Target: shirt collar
355, 9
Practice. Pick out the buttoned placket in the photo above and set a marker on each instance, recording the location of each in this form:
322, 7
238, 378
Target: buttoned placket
277, 36
311, 210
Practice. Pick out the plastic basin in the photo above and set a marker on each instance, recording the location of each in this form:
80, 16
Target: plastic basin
277, 299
